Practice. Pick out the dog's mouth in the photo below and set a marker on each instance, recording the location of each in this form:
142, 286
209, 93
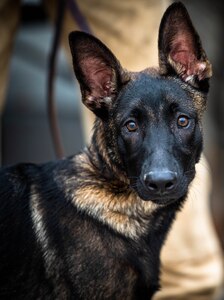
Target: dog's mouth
160, 201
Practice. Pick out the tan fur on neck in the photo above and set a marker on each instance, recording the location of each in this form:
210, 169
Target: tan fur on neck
123, 210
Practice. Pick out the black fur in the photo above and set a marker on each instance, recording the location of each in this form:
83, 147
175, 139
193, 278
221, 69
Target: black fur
92, 226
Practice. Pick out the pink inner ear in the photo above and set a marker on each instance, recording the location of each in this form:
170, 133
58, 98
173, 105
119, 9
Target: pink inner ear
98, 76
183, 52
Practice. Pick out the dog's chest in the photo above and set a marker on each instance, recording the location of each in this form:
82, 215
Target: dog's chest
97, 256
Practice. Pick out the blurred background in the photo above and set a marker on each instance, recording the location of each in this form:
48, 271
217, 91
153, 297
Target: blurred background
25, 134
208, 19
25, 129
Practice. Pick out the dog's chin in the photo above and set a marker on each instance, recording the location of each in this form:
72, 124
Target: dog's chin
160, 199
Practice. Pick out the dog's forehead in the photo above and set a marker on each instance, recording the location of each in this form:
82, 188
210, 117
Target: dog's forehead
153, 93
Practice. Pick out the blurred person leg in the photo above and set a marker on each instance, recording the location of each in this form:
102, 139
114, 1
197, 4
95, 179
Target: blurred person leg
191, 257
210, 16
9, 19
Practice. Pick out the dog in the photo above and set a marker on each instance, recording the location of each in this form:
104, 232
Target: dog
91, 226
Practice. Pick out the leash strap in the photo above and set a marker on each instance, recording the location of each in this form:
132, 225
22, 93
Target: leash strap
52, 112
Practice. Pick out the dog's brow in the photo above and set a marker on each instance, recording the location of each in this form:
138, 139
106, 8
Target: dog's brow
133, 108
174, 106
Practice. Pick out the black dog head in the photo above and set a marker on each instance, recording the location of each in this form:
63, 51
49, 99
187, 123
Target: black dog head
150, 122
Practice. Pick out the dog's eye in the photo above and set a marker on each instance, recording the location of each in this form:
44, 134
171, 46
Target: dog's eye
131, 125
182, 121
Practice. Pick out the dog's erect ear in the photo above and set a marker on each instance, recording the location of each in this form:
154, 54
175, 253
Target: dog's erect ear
97, 70
180, 49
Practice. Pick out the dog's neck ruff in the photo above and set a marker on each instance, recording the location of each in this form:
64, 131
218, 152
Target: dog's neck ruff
113, 204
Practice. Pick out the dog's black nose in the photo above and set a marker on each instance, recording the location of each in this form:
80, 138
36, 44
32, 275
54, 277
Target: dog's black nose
160, 182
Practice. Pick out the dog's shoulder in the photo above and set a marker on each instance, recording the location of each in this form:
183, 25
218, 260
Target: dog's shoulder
16, 178
15, 181
22, 182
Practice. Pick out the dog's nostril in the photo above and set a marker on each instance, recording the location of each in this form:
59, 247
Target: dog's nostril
152, 186
160, 182
169, 186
